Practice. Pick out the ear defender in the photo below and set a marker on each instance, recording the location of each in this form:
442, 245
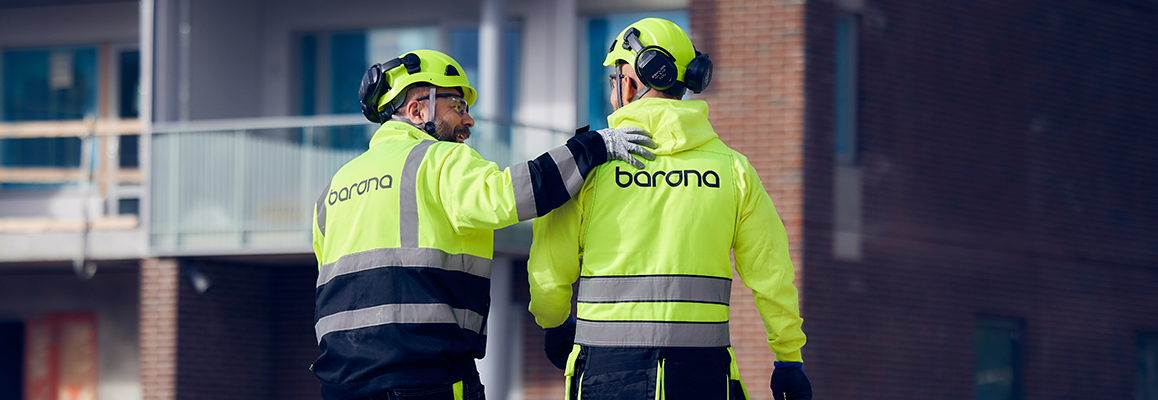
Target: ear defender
654, 65
698, 75
375, 84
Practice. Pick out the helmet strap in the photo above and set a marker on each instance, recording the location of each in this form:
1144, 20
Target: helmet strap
429, 125
618, 87
639, 95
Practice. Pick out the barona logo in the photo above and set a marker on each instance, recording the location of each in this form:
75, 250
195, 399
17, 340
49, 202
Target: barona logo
372, 183
675, 178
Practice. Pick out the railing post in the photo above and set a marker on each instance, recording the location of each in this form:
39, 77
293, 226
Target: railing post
171, 185
239, 176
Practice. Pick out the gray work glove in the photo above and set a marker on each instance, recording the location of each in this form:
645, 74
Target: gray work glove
621, 143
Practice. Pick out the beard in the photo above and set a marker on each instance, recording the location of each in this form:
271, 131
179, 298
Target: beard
446, 133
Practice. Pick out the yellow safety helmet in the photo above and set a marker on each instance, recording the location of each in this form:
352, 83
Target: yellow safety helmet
662, 55
384, 84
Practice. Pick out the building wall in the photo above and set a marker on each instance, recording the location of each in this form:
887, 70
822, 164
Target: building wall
249, 335
69, 25
1005, 154
110, 295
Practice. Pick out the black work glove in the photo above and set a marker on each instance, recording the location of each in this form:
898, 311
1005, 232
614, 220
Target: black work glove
558, 341
789, 381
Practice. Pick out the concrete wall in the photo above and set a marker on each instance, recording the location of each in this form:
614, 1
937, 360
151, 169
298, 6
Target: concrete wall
69, 25
111, 295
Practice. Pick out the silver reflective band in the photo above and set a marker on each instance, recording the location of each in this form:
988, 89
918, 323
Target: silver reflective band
652, 334
321, 210
399, 314
408, 197
404, 257
612, 289
568, 170
524, 193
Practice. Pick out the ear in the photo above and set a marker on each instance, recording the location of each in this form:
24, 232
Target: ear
630, 88
414, 112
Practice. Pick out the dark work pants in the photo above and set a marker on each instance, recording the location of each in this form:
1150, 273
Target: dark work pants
472, 389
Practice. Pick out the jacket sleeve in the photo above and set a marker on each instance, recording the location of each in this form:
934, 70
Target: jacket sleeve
554, 263
319, 225
761, 252
489, 198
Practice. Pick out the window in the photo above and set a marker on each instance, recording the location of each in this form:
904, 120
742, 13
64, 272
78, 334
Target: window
844, 143
601, 31
1147, 378
332, 65
996, 351
847, 186
46, 84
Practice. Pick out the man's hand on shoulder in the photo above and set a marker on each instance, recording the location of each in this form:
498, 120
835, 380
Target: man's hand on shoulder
623, 142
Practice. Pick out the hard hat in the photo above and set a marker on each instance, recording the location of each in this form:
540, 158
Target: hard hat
662, 55
385, 84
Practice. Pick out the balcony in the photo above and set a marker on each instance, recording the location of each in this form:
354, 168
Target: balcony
72, 213
246, 186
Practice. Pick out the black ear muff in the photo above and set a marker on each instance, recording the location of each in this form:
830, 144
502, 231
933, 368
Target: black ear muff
371, 90
656, 68
375, 84
654, 65
699, 73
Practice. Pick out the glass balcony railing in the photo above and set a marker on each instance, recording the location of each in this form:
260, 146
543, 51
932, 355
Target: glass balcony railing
247, 186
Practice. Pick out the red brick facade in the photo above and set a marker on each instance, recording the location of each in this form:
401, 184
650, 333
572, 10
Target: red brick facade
1007, 156
158, 329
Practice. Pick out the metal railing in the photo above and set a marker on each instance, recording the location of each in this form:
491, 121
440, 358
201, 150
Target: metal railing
246, 186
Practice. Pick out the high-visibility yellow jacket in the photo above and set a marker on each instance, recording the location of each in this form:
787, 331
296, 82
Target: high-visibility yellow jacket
403, 235
655, 244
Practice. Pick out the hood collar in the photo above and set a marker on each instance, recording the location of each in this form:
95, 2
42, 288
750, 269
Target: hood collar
675, 125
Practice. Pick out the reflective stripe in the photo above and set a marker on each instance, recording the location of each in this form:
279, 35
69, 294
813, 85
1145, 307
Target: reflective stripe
568, 170
524, 192
684, 288
651, 334
399, 314
320, 208
408, 197
405, 257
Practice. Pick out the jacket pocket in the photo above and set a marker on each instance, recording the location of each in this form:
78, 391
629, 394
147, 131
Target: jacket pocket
628, 380
688, 381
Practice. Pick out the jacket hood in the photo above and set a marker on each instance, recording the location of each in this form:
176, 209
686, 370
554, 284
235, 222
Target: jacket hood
675, 125
398, 130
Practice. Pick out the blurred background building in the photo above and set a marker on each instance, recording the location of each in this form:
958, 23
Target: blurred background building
968, 186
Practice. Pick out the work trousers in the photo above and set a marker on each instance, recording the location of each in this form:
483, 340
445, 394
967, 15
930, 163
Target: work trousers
608, 373
467, 389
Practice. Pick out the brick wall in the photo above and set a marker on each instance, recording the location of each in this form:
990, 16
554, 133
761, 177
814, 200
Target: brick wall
158, 336
249, 336
1007, 150
756, 105
226, 342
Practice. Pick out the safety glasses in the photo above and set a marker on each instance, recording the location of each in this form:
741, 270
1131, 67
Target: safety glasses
614, 78
458, 104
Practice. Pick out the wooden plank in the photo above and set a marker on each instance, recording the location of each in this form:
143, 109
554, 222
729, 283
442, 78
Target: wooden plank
65, 175
37, 225
74, 128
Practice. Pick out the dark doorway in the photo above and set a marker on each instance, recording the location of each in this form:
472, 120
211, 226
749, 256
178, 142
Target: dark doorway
11, 359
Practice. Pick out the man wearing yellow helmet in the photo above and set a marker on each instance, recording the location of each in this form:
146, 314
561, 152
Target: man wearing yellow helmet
656, 276
404, 234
